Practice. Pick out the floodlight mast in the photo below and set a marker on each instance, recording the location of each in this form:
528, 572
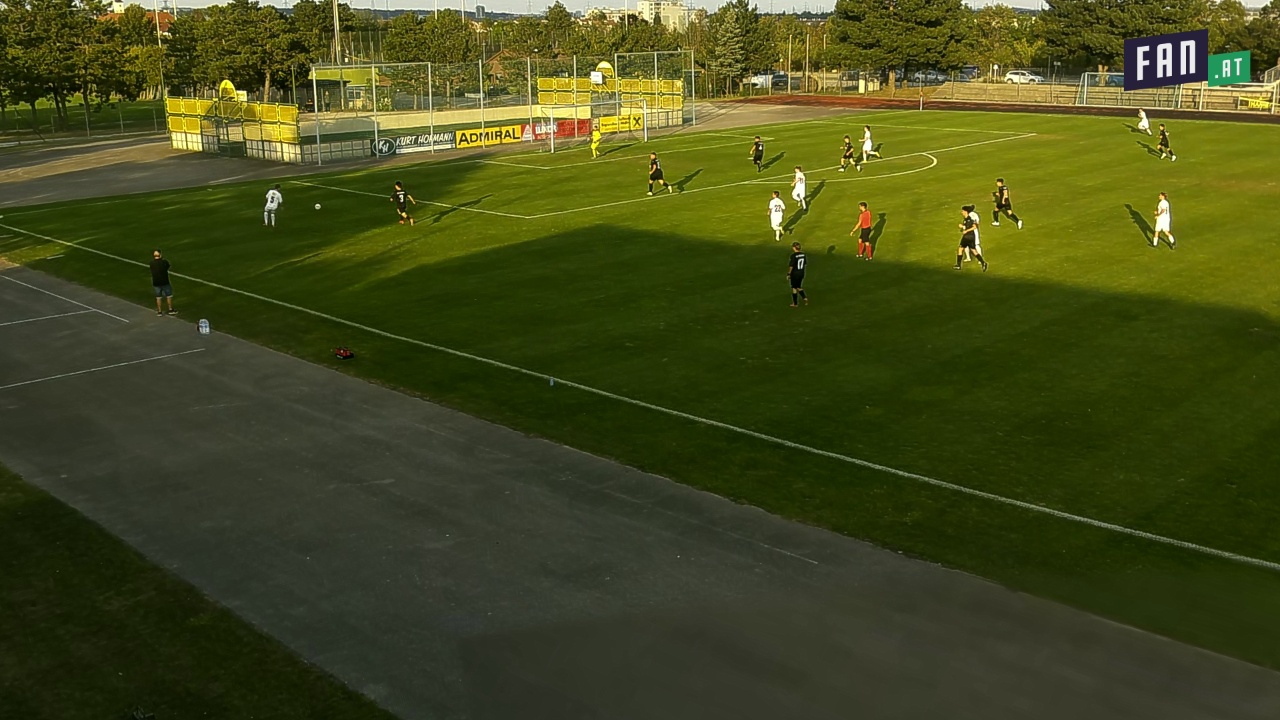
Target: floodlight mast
337, 56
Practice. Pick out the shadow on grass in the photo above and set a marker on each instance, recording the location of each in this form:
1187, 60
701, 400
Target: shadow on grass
772, 161
1099, 438
611, 149
684, 181
460, 206
1148, 147
1140, 222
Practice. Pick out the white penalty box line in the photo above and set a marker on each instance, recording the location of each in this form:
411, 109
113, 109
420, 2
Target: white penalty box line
866, 464
99, 369
775, 178
87, 308
628, 201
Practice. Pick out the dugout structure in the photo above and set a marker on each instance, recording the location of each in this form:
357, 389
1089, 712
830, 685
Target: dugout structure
231, 125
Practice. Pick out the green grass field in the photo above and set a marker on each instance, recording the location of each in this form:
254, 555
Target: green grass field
92, 630
1086, 372
141, 116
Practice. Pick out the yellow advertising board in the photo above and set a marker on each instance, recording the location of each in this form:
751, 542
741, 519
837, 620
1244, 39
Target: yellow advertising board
475, 137
623, 123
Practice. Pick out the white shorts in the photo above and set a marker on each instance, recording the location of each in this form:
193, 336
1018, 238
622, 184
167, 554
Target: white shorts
866, 146
1162, 224
798, 192
269, 208
776, 221
1144, 125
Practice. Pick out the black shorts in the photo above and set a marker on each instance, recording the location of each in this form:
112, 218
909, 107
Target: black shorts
757, 158
969, 241
1007, 207
848, 155
402, 209
797, 280
656, 176
865, 235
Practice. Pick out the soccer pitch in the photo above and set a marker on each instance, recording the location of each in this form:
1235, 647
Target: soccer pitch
1066, 423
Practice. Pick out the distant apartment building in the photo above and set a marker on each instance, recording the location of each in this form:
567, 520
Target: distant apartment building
671, 13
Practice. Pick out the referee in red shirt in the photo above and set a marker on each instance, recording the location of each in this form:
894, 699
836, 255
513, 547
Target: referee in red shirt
864, 231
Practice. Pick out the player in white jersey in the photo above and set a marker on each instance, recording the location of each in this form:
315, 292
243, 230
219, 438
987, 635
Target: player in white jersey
868, 148
797, 189
1164, 223
274, 201
776, 211
1143, 124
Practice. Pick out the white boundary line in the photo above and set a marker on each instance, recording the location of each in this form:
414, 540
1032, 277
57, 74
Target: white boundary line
422, 202
774, 178
999, 499
60, 297
97, 369
44, 317
515, 164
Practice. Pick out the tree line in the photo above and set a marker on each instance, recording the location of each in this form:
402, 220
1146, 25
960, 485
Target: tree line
57, 50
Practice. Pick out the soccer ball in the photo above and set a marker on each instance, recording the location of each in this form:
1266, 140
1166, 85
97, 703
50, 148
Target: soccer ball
317, 206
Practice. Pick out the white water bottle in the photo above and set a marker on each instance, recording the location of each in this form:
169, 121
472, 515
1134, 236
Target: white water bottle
204, 326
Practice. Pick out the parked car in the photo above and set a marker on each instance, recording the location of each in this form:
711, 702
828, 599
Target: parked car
778, 81
925, 77
1022, 77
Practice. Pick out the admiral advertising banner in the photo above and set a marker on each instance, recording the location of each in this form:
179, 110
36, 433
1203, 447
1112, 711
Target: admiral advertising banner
564, 129
475, 137
385, 146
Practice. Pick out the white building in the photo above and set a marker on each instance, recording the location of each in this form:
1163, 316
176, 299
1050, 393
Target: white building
674, 14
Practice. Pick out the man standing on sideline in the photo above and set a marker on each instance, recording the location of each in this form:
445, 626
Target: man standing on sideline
160, 282
863, 230
274, 201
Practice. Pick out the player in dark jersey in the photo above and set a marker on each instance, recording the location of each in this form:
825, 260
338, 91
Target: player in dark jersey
655, 174
1003, 205
402, 200
757, 153
1163, 145
795, 273
969, 240
847, 155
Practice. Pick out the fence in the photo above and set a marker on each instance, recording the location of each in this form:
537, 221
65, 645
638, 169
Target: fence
380, 109
119, 117
1107, 90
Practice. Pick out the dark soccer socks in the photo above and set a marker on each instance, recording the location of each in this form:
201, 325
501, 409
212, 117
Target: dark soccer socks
959, 260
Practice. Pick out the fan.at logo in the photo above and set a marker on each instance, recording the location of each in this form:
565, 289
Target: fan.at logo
1161, 60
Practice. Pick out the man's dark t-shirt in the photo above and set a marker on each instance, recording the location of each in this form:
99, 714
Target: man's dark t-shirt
159, 272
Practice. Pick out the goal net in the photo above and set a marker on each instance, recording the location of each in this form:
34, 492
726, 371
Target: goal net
560, 127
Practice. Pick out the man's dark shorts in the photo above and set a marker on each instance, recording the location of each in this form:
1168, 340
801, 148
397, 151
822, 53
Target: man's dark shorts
163, 291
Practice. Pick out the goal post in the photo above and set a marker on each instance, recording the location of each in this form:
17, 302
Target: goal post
559, 127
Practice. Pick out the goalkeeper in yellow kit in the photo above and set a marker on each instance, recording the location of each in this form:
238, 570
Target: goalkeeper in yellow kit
595, 142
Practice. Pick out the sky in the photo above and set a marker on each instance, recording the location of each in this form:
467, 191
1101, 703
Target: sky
523, 6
